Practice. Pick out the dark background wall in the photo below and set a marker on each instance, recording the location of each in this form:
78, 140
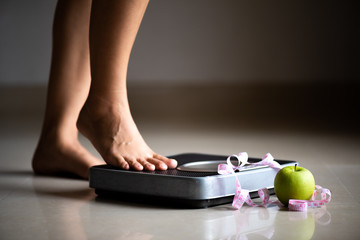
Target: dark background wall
203, 41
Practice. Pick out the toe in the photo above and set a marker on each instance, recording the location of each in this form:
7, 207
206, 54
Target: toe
171, 163
134, 164
159, 165
121, 162
147, 166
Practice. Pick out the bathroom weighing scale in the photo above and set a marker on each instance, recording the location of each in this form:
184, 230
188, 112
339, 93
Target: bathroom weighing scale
195, 183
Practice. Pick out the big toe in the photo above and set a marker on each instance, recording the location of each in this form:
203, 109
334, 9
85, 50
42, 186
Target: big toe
171, 163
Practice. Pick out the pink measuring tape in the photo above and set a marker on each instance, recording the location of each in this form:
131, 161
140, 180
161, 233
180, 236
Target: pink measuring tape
243, 196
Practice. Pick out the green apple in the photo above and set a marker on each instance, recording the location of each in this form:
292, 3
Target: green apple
294, 182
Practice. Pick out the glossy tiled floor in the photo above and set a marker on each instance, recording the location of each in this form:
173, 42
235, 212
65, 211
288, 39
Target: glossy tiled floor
38, 207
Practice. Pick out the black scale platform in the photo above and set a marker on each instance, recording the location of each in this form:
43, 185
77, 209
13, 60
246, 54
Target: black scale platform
187, 188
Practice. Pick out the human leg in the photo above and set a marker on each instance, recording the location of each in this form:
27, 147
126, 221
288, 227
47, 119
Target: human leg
106, 119
58, 149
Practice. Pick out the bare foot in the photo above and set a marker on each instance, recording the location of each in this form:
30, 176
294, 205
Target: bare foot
112, 131
56, 155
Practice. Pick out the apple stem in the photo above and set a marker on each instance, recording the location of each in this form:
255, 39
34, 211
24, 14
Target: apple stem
295, 167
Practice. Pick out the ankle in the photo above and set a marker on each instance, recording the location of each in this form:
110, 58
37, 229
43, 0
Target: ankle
59, 135
102, 105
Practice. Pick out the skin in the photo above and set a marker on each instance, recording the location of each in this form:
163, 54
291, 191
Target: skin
92, 42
